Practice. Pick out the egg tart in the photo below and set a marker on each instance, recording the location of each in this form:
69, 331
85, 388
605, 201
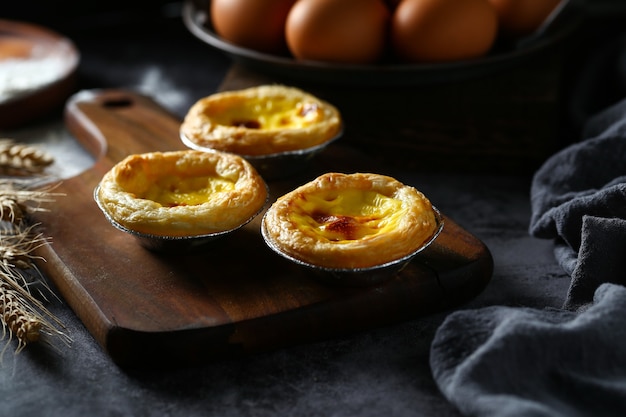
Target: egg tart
348, 221
261, 120
181, 193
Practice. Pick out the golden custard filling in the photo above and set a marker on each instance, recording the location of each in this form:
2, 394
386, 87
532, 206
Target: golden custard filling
350, 221
279, 113
261, 120
346, 215
171, 191
182, 193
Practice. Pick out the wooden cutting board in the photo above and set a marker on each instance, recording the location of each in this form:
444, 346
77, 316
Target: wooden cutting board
234, 297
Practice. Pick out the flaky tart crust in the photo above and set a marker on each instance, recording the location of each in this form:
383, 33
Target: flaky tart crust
182, 193
261, 120
350, 221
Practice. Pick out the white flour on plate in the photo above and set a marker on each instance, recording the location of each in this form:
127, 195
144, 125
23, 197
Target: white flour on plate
19, 77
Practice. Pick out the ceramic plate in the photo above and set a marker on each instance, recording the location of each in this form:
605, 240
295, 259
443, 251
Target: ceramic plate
37, 68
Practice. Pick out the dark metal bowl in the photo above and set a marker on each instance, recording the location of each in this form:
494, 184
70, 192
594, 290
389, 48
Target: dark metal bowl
197, 19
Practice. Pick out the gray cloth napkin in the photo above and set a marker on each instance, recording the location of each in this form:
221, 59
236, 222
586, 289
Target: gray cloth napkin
521, 362
578, 198
504, 361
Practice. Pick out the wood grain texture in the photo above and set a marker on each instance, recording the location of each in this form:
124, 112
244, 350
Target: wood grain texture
234, 296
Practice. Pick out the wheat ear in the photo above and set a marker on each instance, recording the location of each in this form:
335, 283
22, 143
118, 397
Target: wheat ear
21, 159
23, 316
19, 198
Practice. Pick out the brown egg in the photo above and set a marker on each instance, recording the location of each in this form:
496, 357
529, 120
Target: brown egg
254, 24
521, 17
345, 31
443, 30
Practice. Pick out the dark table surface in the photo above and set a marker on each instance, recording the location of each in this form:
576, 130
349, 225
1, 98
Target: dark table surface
382, 371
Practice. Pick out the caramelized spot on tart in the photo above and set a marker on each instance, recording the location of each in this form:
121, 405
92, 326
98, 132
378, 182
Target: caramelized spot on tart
341, 227
248, 124
345, 216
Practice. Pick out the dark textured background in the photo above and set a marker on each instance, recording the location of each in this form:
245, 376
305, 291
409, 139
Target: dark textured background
382, 372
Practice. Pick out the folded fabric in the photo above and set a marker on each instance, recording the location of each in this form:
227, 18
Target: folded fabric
504, 361
578, 198
522, 362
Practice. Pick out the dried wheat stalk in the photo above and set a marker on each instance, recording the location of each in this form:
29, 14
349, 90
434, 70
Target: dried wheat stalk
18, 198
21, 159
24, 317
17, 319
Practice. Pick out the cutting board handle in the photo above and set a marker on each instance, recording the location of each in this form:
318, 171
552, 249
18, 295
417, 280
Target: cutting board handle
113, 124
